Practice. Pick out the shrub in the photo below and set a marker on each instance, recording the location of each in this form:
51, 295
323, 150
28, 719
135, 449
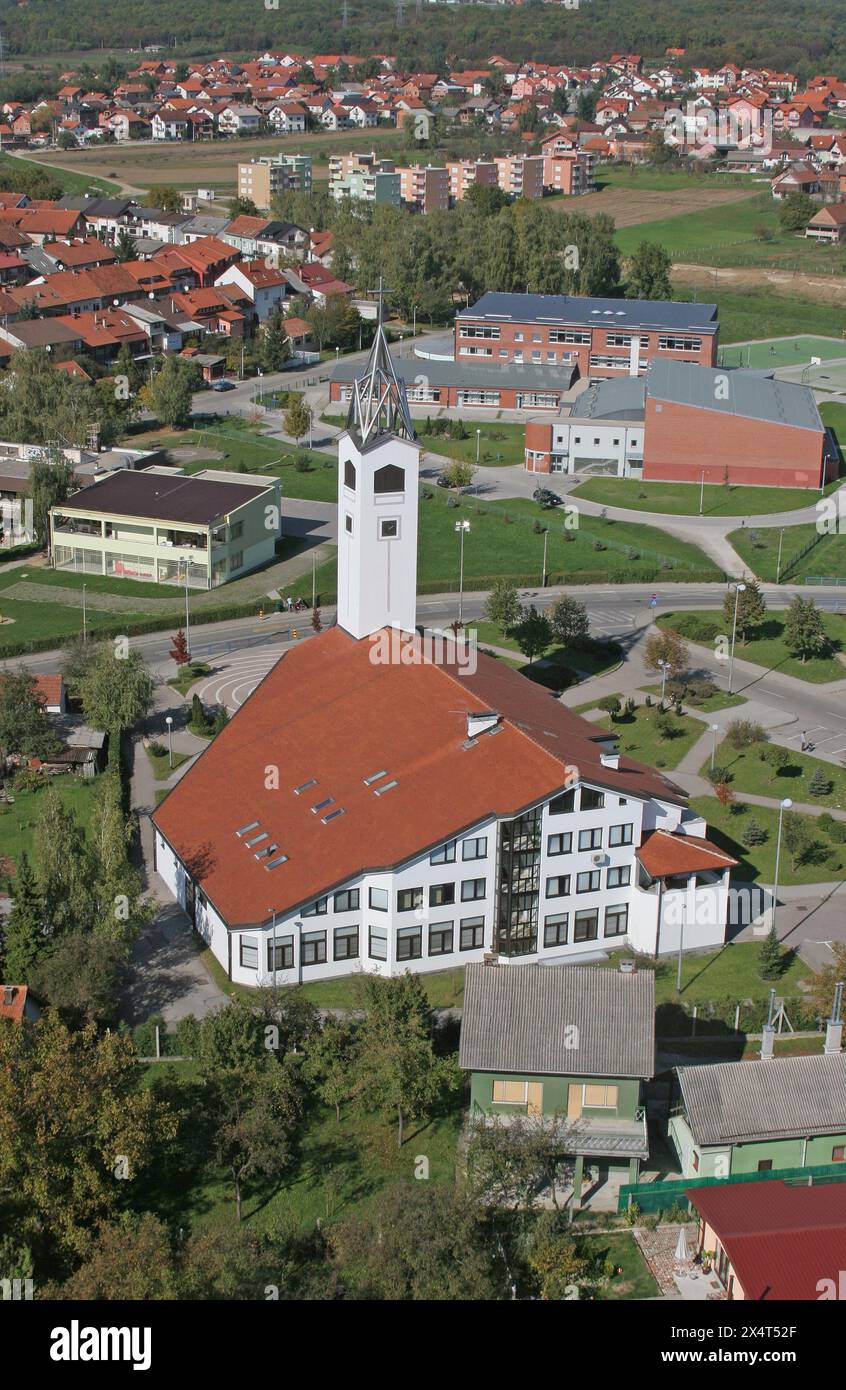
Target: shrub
717, 774
837, 833
820, 783
826, 821
695, 628
742, 733
754, 834
157, 749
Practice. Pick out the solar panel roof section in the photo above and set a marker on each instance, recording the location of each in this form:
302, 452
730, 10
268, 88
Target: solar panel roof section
748, 394
575, 309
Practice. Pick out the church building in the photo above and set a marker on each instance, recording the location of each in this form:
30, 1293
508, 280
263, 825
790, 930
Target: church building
377, 806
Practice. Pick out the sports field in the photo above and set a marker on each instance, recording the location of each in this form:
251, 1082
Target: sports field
782, 352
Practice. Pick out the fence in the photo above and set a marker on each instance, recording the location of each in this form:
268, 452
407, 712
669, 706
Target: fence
790, 564
661, 1196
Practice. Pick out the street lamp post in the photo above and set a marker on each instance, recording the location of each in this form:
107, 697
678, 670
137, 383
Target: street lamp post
414, 323
784, 805
462, 527
545, 542
778, 561
715, 729
665, 666
314, 579
478, 445
738, 590
169, 722
84, 623
702, 493
337, 354
681, 943
186, 561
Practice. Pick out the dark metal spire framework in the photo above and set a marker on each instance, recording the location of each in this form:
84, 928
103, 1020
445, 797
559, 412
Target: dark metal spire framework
379, 403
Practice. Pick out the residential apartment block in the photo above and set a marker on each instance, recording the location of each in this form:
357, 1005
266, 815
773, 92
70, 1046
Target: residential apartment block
162, 526
465, 174
520, 176
262, 179
364, 177
424, 188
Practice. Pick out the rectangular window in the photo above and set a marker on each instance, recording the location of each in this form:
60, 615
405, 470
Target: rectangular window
440, 939
236, 561
379, 899
236, 530
695, 1161
586, 925
838, 1153
558, 886
765, 1165
444, 855
588, 882
388, 528
409, 943
441, 894
475, 849
249, 953
472, 889
377, 945
619, 877
348, 524
409, 898
316, 909
620, 835
510, 1092
283, 947
313, 947
559, 844
590, 839
592, 800
617, 920
347, 901
562, 805
472, 934
346, 943
600, 1097
555, 929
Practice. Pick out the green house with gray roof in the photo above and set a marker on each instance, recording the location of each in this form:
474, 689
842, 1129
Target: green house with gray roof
749, 1117
574, 1042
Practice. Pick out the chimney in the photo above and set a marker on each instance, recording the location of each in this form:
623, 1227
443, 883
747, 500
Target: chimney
834, 1025
611, 760
480, 721
8, 994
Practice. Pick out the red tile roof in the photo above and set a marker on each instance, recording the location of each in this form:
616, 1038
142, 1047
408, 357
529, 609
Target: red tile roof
782, 1241
14, 1010
663, 854
50, 686
326, 711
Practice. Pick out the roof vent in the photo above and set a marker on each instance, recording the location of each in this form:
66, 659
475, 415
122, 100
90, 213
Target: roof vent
481, 721
333, 815
611, 760
379, 791
256, 839
304, 786
375, 777
321, 805
8, 994
253, 825
274, 863
263, 853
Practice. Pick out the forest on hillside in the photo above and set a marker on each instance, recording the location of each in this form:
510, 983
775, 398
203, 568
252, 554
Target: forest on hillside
804, 35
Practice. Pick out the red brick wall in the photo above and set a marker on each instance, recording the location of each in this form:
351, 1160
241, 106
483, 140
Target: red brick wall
539, 439
681, 442
508, 341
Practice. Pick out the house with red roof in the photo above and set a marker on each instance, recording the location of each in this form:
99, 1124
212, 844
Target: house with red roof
774, 1242
17, 1004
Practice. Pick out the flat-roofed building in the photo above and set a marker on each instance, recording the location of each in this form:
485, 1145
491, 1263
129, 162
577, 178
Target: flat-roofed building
262, 179
159, 525
425, 188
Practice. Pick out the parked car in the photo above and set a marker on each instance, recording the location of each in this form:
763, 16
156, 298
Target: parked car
546, 497
223, 385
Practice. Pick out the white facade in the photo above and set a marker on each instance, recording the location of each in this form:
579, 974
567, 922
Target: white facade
377, 534
577, 443
442, 909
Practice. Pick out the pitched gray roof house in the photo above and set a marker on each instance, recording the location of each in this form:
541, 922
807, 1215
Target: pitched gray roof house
753, 395
524, 1018
788, 1096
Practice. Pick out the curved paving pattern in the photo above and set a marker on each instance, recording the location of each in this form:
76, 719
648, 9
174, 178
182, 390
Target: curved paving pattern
236, 677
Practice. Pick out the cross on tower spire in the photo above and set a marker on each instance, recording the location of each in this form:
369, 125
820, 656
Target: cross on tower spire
379, 403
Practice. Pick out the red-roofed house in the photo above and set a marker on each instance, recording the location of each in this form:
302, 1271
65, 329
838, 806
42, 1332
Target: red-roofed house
773, 1242
16, 1004
265, 287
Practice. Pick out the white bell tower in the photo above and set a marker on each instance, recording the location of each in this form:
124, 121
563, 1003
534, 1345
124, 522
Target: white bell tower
378, 473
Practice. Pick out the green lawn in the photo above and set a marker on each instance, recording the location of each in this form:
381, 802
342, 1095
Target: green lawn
766, 645
640, 738
71, 183
245, 447
794, 351
161, 765
636, 1279
502, 541
725, 829
17, 822
730, 972
668, 180
499, 444
759, 549
682, 499
338, 1169
750, 774
584, 662
746, 315
188, 675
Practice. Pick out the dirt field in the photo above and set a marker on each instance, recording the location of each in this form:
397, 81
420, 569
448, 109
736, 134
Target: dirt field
827, 289
205, 163
629, 206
